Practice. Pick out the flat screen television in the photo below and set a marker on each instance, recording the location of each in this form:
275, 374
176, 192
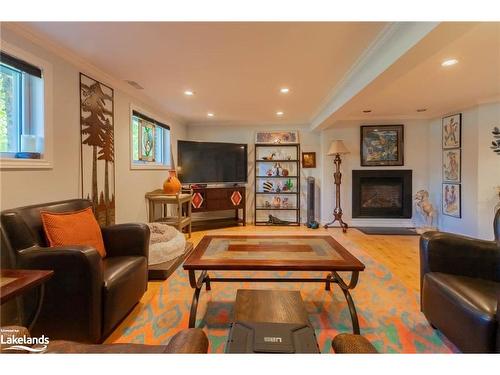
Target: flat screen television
211, 162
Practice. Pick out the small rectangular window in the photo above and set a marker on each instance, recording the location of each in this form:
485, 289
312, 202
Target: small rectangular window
150, 142
21, 108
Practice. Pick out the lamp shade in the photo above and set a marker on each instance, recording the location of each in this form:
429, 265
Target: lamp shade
337, 147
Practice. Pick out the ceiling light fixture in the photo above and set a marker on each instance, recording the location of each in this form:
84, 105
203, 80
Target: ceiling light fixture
189, 93
449, 62
210, 114
367, 110
280, 113
284, 90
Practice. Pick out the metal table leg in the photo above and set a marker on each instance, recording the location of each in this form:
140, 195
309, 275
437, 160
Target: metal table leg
196, 285
345, 289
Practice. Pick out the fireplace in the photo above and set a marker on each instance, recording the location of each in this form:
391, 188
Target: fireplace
382, 194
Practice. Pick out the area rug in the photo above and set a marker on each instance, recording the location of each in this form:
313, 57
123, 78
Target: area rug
388, 312
394, 231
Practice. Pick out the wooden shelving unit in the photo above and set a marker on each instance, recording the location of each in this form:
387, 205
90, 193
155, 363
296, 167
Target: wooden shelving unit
282, 173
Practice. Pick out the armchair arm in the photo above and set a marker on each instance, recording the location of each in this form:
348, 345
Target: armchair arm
459, 255
126, 239
73, 296
191, 340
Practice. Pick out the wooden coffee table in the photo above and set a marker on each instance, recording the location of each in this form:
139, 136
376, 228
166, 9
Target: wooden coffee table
272, 253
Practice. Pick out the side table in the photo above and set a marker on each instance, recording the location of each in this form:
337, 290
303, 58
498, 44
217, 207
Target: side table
182, 201
14, 283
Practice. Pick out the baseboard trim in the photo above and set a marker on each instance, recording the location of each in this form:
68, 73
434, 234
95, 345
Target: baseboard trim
399, 223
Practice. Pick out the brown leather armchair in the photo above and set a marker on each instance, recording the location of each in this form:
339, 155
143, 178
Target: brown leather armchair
460, 288
88, 295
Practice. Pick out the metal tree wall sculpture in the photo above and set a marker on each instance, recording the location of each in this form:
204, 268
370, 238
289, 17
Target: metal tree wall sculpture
495, 144
97, 132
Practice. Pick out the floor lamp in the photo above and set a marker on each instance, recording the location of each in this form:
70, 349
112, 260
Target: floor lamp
337, 148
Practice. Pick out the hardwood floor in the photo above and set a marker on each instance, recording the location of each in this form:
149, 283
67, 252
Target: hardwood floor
399, 253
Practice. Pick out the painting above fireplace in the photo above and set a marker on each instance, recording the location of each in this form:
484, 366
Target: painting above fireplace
382, 194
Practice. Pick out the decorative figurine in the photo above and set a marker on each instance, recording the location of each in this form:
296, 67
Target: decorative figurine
425, 210
267, 204
277, 202
275, 220
267, 186
278, 169
279, 187
284, 172
270, 157
269, 172
285, 202
289, 185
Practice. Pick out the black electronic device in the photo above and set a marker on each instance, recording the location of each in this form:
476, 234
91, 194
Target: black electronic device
250, 337
212, 162
310, 200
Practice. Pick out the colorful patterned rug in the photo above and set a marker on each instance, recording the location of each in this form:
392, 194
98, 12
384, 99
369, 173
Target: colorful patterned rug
388, 312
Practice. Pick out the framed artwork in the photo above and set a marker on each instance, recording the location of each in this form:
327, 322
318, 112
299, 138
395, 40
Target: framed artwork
451, 165
308, 160
146, 142
382, 145
97, 147
495, 143
277, 137
452, 131
452, 200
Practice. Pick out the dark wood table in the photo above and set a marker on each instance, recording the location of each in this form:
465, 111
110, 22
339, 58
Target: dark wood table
270, 306
272, 253
14, 283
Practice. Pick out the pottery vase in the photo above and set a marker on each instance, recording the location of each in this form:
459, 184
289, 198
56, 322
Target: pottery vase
172, 185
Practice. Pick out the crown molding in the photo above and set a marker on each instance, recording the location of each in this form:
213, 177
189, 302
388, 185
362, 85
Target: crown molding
389, 45
88, 68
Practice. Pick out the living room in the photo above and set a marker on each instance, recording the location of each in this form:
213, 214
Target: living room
195, 187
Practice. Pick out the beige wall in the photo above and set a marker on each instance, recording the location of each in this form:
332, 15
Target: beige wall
480, 172
415, 158
23, 187
309, 141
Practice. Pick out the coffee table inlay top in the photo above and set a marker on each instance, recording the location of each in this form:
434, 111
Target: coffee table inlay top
272, 253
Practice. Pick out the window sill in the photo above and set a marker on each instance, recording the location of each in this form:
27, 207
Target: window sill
13, 163
150, 166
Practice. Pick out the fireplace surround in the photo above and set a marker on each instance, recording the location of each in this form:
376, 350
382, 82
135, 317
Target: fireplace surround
382, 194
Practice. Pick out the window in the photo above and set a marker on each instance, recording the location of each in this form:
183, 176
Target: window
150, 142
21, 108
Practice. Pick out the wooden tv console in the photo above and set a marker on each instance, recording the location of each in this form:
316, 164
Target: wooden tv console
210, 199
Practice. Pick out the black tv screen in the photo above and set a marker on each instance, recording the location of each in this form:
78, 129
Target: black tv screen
211, 162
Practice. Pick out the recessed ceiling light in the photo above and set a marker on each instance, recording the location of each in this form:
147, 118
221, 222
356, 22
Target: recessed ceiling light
284, 90
449, 62
367, 110
421, 109
189, 93
210, 114
280, 113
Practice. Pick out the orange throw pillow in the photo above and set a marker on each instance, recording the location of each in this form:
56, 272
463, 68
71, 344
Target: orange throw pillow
73, 228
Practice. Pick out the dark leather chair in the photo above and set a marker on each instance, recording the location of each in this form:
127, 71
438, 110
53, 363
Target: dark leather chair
88, 295
187, 341
460, 288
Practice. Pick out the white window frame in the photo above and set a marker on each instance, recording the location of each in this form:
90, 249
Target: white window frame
150, 165
46, 162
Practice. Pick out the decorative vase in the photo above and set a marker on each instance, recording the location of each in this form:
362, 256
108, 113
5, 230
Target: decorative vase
172, 185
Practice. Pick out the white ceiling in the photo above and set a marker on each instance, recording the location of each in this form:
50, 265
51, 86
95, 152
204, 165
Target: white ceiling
417, 79
236, 69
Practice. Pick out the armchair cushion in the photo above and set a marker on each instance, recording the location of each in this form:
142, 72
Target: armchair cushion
463, 308
126, 239
125, 281
73, 228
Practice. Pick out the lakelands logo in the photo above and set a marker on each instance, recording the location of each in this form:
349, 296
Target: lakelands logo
12, 340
